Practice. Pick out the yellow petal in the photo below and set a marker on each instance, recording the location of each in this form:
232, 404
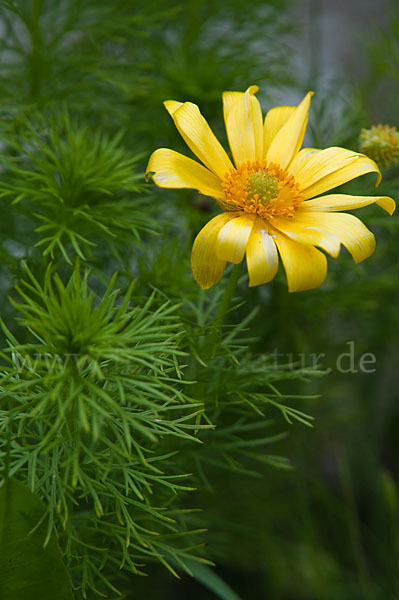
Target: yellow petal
336, 202
349, 230
206, 266
306, 231
198, 136
300, 159
230, 98
233, 238
244, 125
326, 169
305, 266
173, 170
289, 139
262, 257
274, 120
172, 106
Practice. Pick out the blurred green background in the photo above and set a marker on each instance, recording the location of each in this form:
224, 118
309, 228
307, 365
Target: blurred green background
328, 528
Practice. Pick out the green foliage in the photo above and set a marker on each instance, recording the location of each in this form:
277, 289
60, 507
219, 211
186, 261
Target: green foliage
200, 59
75, 182
85, 404
211, 581
383, 67
133, 349
22, 534
54, 50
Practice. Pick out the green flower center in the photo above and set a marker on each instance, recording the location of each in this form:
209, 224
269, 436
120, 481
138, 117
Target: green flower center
262, 188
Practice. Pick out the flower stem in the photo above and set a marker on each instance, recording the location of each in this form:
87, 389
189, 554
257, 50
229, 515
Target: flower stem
215, 328
197, 369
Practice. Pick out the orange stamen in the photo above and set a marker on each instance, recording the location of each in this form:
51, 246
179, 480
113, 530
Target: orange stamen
261, 188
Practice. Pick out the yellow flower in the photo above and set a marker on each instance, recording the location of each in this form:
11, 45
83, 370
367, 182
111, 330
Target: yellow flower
269, 196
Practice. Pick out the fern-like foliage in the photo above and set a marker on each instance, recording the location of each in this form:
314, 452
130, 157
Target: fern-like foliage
86, 406
80, 186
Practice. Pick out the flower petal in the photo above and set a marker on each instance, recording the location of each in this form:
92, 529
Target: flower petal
300, 159
349, 230
336, 202
172, 106
173, 170
289, 139
262, 257
233, 238
198, 136
274, 120
206, 266
305, 266
307, 231
230, 98
244, 126
326, 169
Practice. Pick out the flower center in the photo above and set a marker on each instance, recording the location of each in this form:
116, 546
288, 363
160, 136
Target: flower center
261, 188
